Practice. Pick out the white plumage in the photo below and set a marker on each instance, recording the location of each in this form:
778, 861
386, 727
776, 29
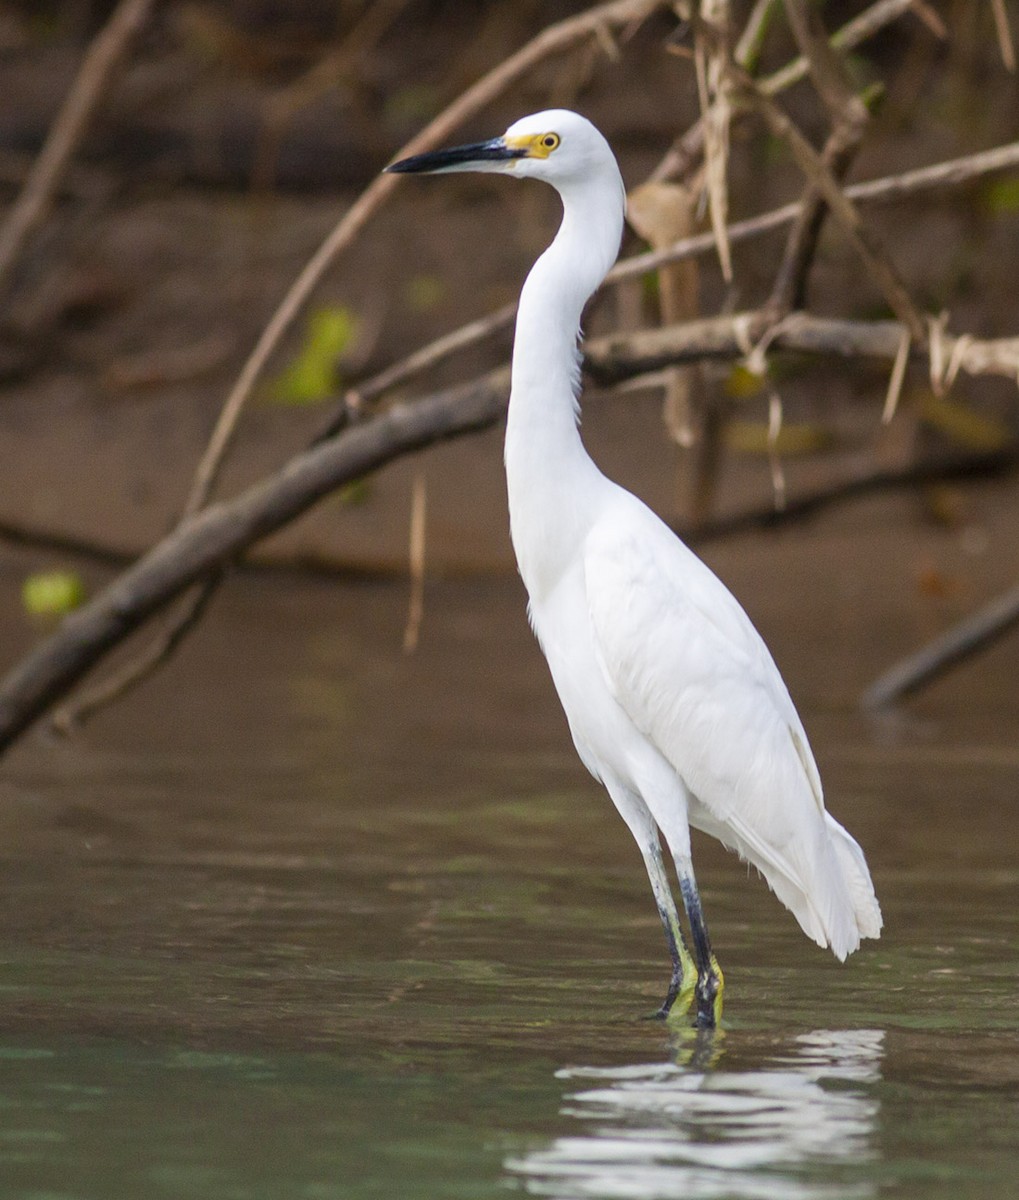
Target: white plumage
672, 697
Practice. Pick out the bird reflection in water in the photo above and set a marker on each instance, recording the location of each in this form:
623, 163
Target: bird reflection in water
697, 1132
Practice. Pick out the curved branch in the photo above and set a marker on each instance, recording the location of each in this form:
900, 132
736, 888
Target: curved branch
86, 94
551, 40
212, 538
218, 534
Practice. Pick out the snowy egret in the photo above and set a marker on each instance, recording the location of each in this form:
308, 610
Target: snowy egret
672, 698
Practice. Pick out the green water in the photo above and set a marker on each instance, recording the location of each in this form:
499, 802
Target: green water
313, 920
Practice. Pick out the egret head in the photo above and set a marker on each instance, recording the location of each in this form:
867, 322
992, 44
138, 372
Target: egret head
557, 145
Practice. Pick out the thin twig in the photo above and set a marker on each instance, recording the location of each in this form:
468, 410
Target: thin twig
87, 92
857, 481
416, 564
871, 21
552, 40
848, 117
748, 45
865, 242
874, 191
1004, 32
71, 716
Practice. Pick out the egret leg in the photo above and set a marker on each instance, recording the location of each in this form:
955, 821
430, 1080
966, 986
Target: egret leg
641, 824
710, 981
683, 968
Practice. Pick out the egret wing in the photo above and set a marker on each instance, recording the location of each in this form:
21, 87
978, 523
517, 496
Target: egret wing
684, 661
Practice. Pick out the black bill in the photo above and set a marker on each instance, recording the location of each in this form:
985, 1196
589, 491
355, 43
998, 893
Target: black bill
458, 157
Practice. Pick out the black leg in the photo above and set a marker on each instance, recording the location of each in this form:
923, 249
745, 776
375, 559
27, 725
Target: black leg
683, 968
673, 938
710, 982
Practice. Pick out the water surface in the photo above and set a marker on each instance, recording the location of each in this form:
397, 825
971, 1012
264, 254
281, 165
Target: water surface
310, 919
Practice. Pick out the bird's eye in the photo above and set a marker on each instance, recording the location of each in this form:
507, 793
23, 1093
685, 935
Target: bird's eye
550, 141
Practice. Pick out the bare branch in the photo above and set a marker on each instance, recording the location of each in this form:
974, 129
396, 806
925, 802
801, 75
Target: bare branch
883, 190
552, 40
865, 242
959, 642
615, 358
87, 93
1004, 32
871, 21
159, 651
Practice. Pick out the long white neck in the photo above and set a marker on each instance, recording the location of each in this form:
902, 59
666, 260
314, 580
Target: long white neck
552, 483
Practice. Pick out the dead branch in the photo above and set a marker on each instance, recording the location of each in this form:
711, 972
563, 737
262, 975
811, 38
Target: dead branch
213, 538
888, 188
615, 358
853, 482
201, 546
87, 93
686, 148
865, 241
848, 117
974, 633
68, 717
20, 534
552, 40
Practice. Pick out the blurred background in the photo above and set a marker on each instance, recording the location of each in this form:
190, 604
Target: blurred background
234, 135
311, 916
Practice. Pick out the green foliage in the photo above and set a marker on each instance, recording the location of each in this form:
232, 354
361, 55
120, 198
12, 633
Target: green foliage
424, 293
1002, 195
794, 438
958, 421
741, 383
52, 593
314, 374
356, 493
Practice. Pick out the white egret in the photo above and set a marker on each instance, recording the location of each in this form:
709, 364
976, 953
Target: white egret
671, 695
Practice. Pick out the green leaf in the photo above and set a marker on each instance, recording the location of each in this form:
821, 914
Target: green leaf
52, 593
314, 374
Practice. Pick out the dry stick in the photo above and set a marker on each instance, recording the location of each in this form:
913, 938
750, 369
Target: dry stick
865, 242
959, 642
748, 47
848, 117
1004, 32
891, 187
69, 716
859, 481
551, 40
790, 287
866, 25
619, 357
218, 534
416, 564
88, 90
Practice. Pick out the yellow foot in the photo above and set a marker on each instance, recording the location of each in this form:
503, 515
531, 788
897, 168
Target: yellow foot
708, 990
